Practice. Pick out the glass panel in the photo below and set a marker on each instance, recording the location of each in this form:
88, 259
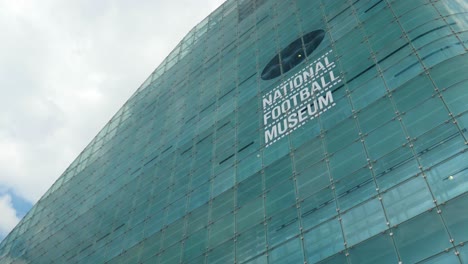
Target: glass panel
170, 255
335, 259
407, 200
290, 252
463, 121
363, 222
318, 208
341, 135
440, 50
448, 179
195, 244
221, 230
222, 204
282, 226
249, 189
446, 257
425, 116
313, 179
455, 218
447, 73
373, 90
441, 150
341, 111
258, 260
173, 233
413, 93
347, 160
306, 132
250, 243
197, 219
463, 254
280, 197
420, 237
323, 241
151, 246
375, 115
395, 167
278, 172
249, 166
250, 214
378, 249
308, 154
406, 69
456, 97
222, 254
385, 139
355, 188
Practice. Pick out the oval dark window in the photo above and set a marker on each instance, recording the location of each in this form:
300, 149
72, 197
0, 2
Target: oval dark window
293, 54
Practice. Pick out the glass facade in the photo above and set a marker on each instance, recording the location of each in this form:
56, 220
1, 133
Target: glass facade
278, 131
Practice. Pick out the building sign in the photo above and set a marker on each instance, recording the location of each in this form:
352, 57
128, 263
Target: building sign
301, 98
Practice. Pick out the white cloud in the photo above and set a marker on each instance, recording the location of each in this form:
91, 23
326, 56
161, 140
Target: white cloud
66, 67
8, 218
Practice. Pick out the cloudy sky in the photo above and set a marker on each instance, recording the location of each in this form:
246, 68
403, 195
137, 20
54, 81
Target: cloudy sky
65, 68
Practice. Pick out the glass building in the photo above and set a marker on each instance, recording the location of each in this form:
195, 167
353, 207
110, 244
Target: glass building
278, 131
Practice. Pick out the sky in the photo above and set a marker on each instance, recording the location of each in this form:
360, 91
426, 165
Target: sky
66, 67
